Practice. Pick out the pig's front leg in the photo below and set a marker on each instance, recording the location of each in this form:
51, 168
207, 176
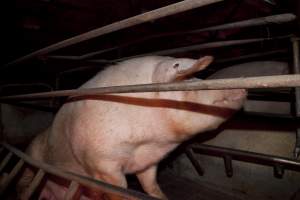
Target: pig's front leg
148, 181
111, 173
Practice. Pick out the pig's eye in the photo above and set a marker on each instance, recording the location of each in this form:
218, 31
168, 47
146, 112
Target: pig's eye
176, 65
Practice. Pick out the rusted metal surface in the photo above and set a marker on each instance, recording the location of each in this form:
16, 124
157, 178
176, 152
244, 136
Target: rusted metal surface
138, 19
83, 181
279, 81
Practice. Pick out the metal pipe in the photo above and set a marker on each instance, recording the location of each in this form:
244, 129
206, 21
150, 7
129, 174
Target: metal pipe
273, 19
200, 47
135, 20
246, 156
190, 155
34, 184
250, 56
296, 68
228, 165
8, 179
279, 81
86, 181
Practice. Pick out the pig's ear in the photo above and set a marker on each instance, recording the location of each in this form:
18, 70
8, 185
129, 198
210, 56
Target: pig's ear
171, 70
199, 65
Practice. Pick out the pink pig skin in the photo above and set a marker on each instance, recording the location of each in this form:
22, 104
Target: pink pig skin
108, 136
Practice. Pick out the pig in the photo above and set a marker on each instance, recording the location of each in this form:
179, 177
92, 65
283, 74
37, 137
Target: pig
108, 136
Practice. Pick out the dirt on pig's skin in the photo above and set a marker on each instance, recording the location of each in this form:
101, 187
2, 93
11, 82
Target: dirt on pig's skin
108, 136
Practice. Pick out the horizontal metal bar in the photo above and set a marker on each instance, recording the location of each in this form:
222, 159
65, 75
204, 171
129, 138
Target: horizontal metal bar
273, 19
201, 46
245, 156
250, 56
280, 81
138, 19
83, 180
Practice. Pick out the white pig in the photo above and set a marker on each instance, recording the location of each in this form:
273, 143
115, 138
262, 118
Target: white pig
108, 136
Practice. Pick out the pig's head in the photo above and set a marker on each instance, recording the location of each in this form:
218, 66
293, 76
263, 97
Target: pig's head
193, 112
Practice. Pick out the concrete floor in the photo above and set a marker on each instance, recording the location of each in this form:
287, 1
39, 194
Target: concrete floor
178, 188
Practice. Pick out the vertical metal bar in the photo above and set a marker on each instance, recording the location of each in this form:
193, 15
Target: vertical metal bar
190, 154
34, 184
228, 165
1, 125
5, 161
11, 176
278, 171
72, 192
296, 70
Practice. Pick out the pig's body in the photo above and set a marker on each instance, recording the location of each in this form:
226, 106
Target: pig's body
109, 136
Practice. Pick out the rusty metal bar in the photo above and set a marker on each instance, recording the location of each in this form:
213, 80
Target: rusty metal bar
138, 19
72, 191
8, 179
5, 160
34, 184
273, 19
201, 46
279, 163
83, 180
279, 81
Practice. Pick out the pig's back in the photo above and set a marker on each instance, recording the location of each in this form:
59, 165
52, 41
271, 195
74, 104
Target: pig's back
128, 72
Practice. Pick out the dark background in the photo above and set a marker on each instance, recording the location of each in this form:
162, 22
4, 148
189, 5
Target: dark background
29, 25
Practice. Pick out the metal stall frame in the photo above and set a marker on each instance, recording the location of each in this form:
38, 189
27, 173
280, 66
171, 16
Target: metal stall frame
254, 82
76, 181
